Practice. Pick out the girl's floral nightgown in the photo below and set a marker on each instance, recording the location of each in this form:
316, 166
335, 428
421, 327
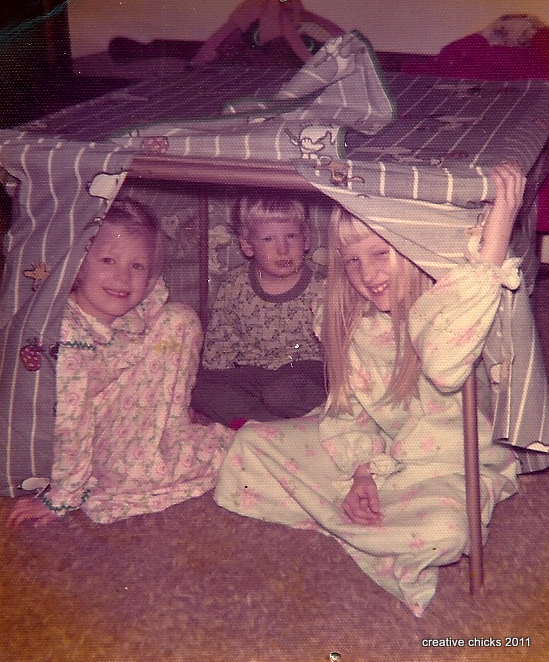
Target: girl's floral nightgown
124, 442
298, 472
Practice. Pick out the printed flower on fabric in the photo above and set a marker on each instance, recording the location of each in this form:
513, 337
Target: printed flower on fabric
363, 420
451, 502
155, 144
378, 446
39, 271
155, 367
249, 498
409, 495
73, 399
128, 402
291, 465
137, 452
330, 447
434, 407
417, 543
405, 574
383, 339
386, 567
303, 426
269, 432
288, 500
237, 462
362, 379
465, 336
205, 452
386, 377
429, 445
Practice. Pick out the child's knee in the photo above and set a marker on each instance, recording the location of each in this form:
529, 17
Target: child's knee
448, 533
291, 396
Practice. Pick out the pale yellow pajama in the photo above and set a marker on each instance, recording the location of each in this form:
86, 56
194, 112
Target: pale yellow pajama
297, 472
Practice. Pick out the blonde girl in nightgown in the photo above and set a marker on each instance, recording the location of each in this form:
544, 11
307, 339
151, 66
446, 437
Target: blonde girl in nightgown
381, 468
124, 442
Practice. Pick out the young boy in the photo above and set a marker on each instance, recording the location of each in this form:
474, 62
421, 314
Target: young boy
261, 359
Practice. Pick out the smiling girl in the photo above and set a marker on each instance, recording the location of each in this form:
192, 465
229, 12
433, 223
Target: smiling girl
124, 442
382, 469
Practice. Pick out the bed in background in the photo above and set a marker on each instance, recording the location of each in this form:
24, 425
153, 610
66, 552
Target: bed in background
387, 146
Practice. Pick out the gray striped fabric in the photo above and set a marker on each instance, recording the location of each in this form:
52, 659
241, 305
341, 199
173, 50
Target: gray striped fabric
54, 219
388, 135
420, 174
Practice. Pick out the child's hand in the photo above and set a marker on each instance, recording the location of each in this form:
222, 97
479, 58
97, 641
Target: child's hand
361, 505
30, 509
509, 182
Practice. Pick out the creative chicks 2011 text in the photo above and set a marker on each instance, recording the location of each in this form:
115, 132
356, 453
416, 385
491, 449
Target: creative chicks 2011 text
477, 642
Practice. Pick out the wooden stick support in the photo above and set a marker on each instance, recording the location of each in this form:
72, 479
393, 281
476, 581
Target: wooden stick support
472, 483
203, 254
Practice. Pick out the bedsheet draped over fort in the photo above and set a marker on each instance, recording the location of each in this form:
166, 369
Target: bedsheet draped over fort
410, 155
53, 221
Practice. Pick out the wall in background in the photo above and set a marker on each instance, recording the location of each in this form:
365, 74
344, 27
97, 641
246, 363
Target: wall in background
419, 26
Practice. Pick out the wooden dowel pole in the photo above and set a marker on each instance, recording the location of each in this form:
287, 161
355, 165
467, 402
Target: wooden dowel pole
472, 482
203, 255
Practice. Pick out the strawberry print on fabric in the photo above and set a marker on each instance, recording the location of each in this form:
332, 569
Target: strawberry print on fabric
31, 355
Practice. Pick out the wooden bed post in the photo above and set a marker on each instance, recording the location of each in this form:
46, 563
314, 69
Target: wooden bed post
203, 255
472, 482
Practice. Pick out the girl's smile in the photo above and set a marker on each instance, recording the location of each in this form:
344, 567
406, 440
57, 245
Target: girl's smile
114, 276
368, 267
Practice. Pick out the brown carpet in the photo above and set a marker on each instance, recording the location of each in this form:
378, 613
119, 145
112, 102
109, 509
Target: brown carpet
197, 584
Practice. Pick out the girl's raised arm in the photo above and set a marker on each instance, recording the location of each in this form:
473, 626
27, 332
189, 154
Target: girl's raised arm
509, 182
450, 322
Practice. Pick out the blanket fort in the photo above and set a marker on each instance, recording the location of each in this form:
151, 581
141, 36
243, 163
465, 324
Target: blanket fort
408, 154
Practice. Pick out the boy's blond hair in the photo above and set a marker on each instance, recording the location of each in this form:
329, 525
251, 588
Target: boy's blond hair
344, 307
270, 207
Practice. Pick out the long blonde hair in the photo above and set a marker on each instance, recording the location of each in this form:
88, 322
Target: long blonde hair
344, 307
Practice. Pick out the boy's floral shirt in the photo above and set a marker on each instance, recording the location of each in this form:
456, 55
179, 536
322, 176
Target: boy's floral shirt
248, 326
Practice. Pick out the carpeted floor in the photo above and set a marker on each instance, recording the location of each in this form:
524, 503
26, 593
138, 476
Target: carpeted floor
198, 584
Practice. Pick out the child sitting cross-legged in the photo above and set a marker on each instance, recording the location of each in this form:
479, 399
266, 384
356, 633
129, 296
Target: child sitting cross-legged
382, 470
261, 359
124, 443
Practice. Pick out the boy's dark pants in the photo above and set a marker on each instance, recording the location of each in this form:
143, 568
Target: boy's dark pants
259, 394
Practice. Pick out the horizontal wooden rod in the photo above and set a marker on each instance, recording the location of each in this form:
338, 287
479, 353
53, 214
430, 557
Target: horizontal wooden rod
219, 171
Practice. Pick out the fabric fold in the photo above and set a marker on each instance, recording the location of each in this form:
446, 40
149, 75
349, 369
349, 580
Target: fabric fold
338, 88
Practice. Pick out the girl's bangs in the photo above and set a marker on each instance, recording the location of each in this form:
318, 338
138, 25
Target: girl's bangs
351, 230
